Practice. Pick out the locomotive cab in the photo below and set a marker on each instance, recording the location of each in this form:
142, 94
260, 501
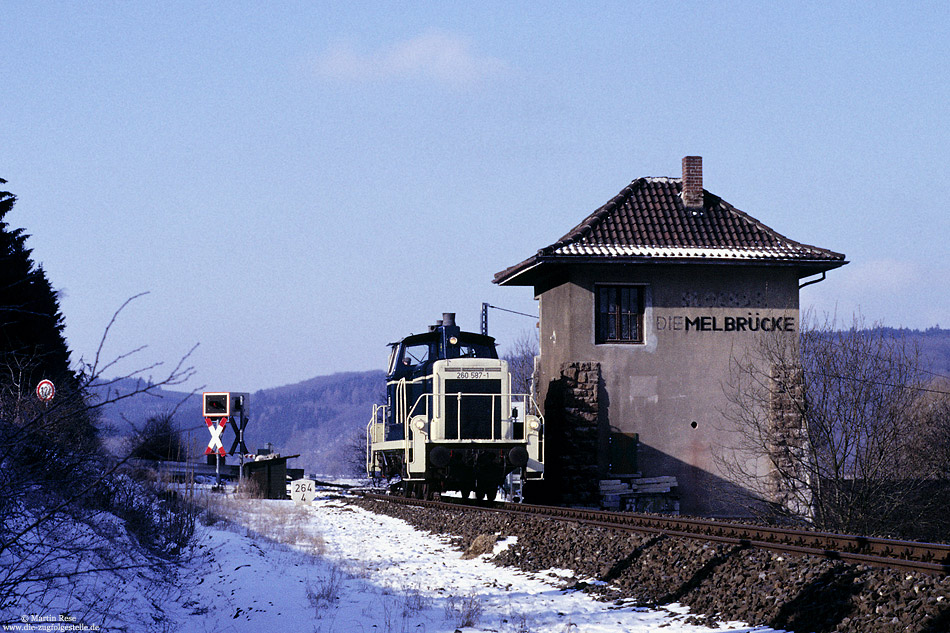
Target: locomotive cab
450, 421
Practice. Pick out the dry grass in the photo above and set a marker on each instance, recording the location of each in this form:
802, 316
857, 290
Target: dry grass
280, 521
464, 611
323, 591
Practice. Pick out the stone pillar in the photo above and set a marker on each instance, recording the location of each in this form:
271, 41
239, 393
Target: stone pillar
573, 435
787, 447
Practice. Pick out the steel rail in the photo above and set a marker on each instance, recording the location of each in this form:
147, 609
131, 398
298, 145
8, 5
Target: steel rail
880, 547
930, 558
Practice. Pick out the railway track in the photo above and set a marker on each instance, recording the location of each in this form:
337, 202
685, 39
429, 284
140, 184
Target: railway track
929, 558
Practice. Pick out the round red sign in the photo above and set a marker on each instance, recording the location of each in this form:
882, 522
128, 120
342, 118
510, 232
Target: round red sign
45, 390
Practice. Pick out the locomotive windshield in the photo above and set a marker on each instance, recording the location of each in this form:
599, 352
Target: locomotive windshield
417, 352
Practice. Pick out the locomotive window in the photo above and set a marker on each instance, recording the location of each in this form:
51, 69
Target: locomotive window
619, 314
415, 354
392, 360
473, 351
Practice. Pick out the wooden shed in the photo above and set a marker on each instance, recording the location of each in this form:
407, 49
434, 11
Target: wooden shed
270, 475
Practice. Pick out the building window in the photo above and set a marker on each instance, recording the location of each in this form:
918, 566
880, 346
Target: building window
619, 314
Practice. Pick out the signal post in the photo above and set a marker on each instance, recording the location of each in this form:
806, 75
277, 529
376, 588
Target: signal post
218, 408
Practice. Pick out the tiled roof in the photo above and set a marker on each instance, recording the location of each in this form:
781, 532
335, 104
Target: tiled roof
648, 221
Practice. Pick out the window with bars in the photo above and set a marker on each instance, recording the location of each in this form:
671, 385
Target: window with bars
619, 314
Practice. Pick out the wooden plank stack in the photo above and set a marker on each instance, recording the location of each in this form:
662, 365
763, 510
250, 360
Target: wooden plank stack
612, 493
638, 494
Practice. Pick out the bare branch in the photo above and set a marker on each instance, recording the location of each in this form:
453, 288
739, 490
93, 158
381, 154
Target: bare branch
836, 416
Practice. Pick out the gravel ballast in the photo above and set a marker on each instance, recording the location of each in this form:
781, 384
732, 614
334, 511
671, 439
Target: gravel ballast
719, 582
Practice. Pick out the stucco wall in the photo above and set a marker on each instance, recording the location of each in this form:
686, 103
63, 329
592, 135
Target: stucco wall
670, 389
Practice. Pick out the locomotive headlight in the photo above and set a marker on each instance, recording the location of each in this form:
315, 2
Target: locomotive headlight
419, 423
454, 341
534, 424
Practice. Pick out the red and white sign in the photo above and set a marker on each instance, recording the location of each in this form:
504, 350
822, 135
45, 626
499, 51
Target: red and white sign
45, 390
216, 429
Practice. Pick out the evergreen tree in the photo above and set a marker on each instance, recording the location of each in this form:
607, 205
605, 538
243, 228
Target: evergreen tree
31, 325
32, 344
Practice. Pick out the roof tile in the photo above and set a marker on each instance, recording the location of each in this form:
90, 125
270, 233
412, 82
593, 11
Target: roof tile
648, 220
650, 213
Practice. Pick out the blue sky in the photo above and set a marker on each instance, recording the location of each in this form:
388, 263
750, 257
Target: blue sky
297, 184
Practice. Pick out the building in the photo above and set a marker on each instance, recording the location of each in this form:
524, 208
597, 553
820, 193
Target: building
270, 474
643, 307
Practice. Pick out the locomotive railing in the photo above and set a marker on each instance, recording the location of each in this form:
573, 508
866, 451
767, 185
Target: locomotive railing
512, 427
375, 432
421, 407
509, 427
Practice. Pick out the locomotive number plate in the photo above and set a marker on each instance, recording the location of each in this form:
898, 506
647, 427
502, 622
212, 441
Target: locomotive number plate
474, 373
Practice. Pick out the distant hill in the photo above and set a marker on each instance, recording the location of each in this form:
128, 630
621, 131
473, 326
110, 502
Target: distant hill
317, 418
934, 344
123, 417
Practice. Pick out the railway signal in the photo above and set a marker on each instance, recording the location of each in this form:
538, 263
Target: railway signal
216, 409
216, 428
239, 409
219, 408
216, 404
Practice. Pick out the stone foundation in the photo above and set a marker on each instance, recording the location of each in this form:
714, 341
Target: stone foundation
573, 434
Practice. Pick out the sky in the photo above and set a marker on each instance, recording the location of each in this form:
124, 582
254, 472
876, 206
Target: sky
295, 185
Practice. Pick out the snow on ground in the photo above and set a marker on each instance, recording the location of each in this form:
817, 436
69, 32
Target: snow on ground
343, 569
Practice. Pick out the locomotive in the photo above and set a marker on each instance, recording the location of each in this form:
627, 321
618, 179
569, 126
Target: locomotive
450, 421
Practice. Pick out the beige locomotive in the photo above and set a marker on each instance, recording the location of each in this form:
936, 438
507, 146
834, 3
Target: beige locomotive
450, 422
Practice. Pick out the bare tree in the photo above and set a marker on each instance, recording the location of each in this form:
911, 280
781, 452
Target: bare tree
834, 415
520, 359
354, 454
929, 441
56, 481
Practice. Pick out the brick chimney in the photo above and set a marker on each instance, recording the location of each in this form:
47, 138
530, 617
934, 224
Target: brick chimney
693, 182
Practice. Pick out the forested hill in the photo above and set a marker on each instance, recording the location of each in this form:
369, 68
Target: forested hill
322, 419
934, 344
318, 418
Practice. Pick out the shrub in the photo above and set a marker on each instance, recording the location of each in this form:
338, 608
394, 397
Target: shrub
159, 439
464, 611
161, 518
